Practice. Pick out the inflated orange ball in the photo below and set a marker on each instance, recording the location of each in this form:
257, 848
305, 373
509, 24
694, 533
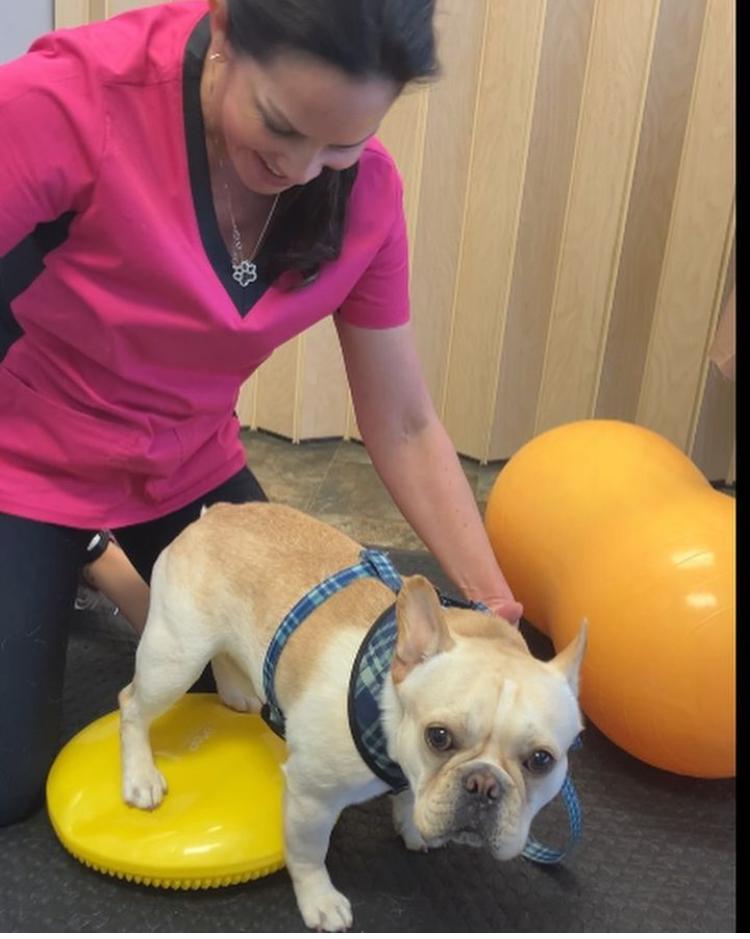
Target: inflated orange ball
608, 521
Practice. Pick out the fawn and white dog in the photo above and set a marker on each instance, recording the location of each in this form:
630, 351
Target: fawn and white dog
479, 728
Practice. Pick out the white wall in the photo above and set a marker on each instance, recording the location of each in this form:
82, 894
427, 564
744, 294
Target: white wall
21, 21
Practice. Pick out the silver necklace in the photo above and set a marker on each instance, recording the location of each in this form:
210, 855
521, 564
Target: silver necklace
244, 270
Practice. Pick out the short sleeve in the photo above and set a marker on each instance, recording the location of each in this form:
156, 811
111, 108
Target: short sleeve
380, 298
52, 130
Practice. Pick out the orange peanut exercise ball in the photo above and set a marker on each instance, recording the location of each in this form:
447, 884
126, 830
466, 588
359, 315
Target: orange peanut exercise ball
608, 521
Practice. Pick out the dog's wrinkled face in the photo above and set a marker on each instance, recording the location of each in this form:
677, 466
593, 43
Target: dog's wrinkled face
480, 728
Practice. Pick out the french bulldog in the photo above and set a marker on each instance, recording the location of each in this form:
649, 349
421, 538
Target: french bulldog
479, 728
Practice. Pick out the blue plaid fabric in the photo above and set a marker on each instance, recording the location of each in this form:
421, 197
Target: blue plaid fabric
370, 670
372, 564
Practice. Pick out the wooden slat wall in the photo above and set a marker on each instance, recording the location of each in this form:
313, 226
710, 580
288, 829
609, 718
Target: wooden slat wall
662, 136
611, 110
552, 146
569, 185
507, 82
687, 304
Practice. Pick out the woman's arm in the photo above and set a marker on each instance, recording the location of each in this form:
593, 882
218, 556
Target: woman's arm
114, 575
414, 457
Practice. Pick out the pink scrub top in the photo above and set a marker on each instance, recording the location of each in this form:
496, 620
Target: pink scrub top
123, 338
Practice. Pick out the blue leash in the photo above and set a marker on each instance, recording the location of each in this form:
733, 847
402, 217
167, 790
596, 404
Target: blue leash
377, 564
541, 854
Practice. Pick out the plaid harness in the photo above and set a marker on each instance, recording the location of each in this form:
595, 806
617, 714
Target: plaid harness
371, 564
370, 669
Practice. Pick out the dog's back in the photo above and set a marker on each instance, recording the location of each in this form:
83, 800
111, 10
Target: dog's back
243, 567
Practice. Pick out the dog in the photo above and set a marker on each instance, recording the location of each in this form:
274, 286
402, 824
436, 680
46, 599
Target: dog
475, 727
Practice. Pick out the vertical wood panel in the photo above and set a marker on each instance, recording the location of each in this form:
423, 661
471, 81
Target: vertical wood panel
690, 286
403, 133
713, 446
277, 390
113, 7
614, 94
506, 94
247, 403
661, 139
324, 395
447, 148
71, 13
567, 31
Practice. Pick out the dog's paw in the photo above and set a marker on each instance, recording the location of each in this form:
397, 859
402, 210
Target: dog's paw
144, 789
325, 910
413, 841
403, 820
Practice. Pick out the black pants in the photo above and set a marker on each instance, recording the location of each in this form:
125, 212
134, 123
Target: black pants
39, 566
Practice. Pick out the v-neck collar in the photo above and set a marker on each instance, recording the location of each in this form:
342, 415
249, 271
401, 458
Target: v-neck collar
244, 298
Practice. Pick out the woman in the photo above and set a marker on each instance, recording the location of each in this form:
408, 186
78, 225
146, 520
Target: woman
182, 189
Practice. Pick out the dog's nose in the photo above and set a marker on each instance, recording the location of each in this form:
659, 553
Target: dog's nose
483, 782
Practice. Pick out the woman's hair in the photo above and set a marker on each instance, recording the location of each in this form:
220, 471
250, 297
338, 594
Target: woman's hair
390, 39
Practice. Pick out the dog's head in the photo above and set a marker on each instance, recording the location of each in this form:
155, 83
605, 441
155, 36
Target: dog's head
479, 726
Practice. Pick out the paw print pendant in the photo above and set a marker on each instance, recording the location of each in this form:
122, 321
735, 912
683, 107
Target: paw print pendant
245, 273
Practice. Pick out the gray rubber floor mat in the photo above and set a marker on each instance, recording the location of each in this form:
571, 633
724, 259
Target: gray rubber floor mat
657, 853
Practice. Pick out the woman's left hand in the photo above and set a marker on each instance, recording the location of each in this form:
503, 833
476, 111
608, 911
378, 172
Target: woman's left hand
505, 607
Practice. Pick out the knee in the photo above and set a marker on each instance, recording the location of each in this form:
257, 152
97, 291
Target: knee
125, 699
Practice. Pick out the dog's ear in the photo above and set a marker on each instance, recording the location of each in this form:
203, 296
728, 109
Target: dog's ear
568, 662
422, 629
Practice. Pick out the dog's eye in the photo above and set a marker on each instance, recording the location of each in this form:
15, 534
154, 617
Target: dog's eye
539, 762
438, 738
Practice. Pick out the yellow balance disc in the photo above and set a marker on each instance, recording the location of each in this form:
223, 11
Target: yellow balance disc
220, 822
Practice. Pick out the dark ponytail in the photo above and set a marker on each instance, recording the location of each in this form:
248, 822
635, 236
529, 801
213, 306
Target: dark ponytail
391, 39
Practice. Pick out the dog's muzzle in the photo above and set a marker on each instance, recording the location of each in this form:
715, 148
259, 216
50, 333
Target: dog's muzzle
483, 784
480, 797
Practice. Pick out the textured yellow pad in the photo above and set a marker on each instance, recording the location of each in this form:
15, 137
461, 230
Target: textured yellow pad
220, 822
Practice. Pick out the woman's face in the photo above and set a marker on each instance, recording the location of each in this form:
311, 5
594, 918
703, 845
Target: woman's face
285, 120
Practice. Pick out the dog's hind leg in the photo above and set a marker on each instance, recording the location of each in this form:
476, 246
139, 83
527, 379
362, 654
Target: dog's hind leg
235, 688
164, 672
170, 657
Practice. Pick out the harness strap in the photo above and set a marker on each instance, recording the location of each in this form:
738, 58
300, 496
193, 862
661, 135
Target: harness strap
372, 564
371, 666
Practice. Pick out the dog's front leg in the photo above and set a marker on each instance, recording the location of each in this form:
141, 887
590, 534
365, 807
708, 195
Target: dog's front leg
403, 821
309, 817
